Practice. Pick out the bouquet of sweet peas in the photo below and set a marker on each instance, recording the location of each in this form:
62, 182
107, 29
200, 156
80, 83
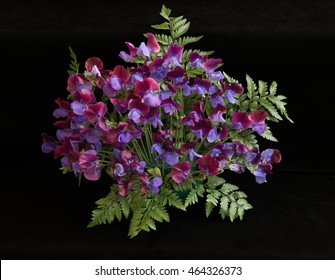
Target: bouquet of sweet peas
164, 128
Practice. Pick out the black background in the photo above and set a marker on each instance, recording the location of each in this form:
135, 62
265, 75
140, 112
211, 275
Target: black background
44, 214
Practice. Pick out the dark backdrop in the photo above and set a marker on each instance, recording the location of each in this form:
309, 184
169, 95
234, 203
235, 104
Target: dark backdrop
44, 214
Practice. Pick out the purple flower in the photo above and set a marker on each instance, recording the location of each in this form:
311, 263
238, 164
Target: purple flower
180, 171
231, 90
197, 60
210, 65
237, 167
155, 183
189, 148
120, 76
63, 109
174, 55
49, 144
169, 105
132, 52
152, 99
271, 156
138, 110
200, 86
261, 171
158, 70
258, 120
171, 157
119, 170
216, 115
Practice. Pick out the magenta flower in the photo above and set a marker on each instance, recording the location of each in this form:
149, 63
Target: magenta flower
197, 60
132, 53
174, 55
181, 171
77, 82
210, 65
124, 186
117, 81
240, 121
231, 89
93, 66
258, 120
89, 164
208, 164
152, 43
63, 110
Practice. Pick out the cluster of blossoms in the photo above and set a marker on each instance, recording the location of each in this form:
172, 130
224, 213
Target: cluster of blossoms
168, 122
156, 124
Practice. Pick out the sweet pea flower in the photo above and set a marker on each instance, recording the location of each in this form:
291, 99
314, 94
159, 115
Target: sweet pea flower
231, 89
271, 156
174, 55
181, 171
208, 164
258, 120
240, 121
155, 183
262, 170
93, 66
89, 164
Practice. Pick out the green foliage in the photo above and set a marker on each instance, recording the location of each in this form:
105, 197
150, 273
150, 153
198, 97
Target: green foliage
74, 65
112, 206
177, 26
231, 201
263, 99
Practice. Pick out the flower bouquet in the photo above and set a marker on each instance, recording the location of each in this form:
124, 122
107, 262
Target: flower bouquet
165, 129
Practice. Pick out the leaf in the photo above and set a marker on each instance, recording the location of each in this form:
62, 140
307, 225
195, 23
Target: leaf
182, 30
209, 208
165, 12
240, 212
224, 203
162, 26
214, 181
271, 110
183, 41
262, 88
250, 85
273, 88
267, 134
74, 65
178, 22
233, 211
191, 198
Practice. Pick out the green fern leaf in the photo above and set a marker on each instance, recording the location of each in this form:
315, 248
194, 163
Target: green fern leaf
268, 135
162, 26
209, 208
233, 211
214, 181
181, 31
165, 12
74, 65
271, 110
